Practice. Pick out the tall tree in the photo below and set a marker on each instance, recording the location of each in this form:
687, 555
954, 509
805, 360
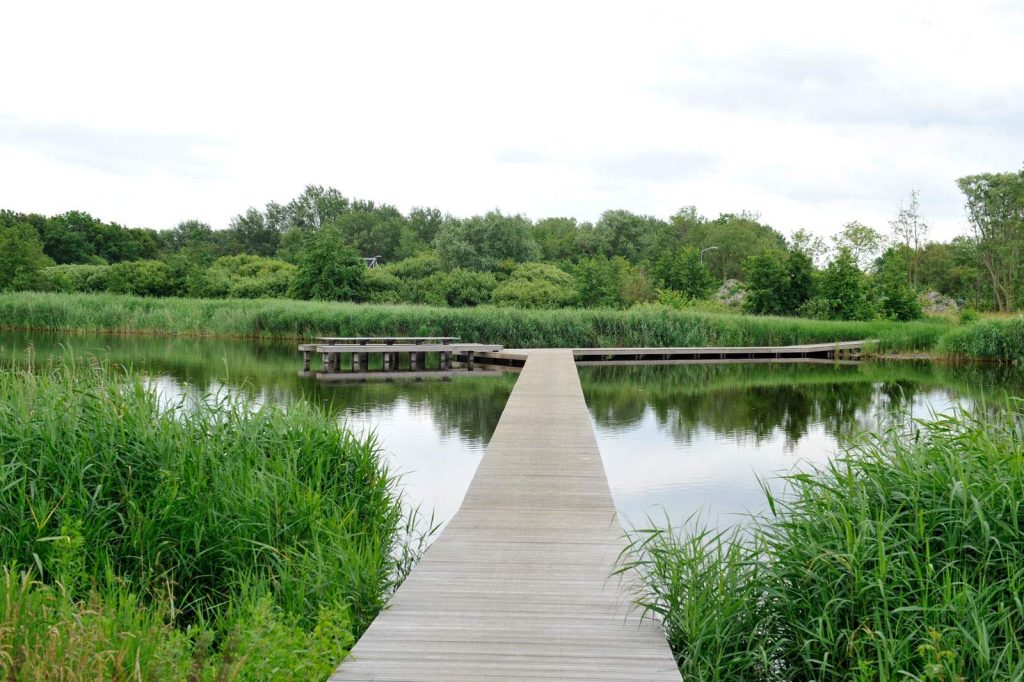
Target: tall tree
995, 208
329, 270
908, 229
21, 257
864, 243
253, 234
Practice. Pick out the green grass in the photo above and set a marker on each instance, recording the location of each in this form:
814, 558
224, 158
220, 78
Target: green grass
259, 540
649, 325
903, 560
996, 339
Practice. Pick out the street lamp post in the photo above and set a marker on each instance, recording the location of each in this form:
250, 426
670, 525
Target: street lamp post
710, 248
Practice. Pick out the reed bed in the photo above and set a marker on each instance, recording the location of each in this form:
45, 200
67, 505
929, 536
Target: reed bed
647, 325
213, 539
903, 560
996, 339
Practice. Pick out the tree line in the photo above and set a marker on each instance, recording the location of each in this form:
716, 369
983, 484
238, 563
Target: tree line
313, 245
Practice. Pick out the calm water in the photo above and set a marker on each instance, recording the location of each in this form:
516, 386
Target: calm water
675, 439
691, 440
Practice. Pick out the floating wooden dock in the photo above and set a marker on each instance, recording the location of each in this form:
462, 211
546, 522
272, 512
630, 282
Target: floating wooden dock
518, 585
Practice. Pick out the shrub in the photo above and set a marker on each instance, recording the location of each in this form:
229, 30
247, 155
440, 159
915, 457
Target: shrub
457, 288
143, 278
536, 285
75, 278
244, 276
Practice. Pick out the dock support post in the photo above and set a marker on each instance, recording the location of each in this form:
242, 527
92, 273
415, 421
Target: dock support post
356, 366
306, 355
412, 361
387, 361
469, 361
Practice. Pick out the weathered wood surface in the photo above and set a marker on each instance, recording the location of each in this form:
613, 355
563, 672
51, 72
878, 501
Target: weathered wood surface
406, 348
518, 584
727, 351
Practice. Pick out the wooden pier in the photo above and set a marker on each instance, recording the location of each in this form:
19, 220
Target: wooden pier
518, 586
332, 350
392, 348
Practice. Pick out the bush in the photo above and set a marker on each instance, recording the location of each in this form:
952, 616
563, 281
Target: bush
143, 278
380, 285
969, 316
244, 276
75, 278
536, 285
458, 288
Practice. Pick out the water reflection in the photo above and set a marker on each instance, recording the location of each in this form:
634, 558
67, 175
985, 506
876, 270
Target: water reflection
434, 432
685, 439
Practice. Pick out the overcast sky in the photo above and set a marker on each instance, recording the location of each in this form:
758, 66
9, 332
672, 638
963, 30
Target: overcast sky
811, 114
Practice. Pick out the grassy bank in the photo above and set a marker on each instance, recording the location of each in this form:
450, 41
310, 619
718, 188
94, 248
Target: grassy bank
213, 540
277, 318
904, 560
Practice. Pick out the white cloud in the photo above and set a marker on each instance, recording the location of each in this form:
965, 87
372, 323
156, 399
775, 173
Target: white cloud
812, 114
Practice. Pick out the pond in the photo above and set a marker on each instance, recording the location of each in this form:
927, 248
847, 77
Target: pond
676, 440
692, 442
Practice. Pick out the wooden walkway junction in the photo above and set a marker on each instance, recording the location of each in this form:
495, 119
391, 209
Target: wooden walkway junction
518, 586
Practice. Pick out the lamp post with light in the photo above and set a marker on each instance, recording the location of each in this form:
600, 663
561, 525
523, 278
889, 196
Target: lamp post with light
710, 248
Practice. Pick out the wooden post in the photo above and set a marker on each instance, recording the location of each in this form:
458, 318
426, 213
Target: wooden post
469, 361
412, 360
305, 360
387, 361
355, 362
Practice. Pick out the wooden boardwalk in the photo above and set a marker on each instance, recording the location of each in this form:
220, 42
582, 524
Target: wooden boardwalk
518, 584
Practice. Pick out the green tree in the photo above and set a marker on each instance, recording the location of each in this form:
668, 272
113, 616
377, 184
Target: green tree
864, 243
556, 238
683, 270
911, 231
251, 233
627, 234
483, 242
896, 299
536, 285
843, 290
21, 257
598, 280
329, 270
767, 284
995, 208
735, 238
810, 244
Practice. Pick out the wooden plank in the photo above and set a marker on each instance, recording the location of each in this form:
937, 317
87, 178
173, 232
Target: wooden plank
518, 585
407, 348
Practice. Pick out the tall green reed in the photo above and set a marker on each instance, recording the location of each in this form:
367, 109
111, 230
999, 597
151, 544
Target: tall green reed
214, 511
903, 560
648, 325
